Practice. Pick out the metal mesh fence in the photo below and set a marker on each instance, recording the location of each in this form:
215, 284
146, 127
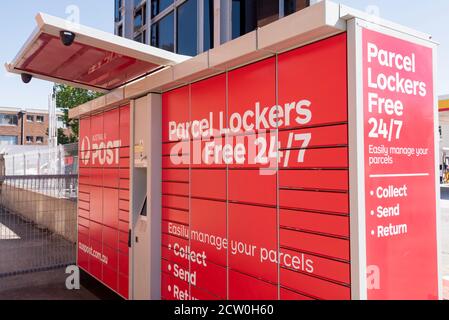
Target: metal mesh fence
37, 223
62, 159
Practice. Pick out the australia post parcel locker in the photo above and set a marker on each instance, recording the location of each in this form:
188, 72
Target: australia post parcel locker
295, 162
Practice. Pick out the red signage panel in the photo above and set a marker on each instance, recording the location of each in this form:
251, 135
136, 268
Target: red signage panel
103, 207
255, 201
401, 232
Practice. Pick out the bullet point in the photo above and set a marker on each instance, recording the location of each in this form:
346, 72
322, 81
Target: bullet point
169, 288
169, 247
372, 232
372, 212
169, 267
371, 193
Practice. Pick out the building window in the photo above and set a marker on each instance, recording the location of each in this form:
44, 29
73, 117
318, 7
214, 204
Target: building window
140, 18
187, 33
267, 12
140, 37
157, 6
291, 6
9, 140
40, 119
30, 139
30, 118
208, 24
120, 30
39, 140
118, 10
8, 120
243, 17
163, 34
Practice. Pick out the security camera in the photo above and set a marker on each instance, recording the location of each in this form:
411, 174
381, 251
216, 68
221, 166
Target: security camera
26, 78
67, 38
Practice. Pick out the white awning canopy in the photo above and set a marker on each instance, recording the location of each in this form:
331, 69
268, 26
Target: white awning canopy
94, 60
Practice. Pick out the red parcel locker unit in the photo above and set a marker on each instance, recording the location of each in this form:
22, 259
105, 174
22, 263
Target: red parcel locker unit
297, 162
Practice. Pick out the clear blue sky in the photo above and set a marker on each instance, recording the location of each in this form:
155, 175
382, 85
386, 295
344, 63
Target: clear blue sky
18, 21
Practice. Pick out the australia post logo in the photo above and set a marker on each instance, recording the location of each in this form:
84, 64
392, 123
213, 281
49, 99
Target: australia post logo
101, 151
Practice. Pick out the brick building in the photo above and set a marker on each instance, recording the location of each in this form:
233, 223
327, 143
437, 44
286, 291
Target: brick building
25, 127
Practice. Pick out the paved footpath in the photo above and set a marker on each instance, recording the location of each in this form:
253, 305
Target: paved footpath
50, 285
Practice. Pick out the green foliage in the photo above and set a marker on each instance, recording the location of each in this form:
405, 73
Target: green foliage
67, 98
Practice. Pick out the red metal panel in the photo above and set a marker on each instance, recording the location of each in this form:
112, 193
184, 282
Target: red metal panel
209, 96
84, 205
320, 267
111, 178
324, 79
96, 204
124, 173
167, 226
317, 201
83, 196
110, 278
124, 205
175, 188
111, 123
124, 129
83, 213
123, 236
318, 288
174, 289
96, 177
123, 263
124, 184
96, 232
174, 215
312, 243
209, 184
318, 158
315, 222
175, 110
124, 163
179, 163
209, 218
251, 186
95, 265
124, 215
203, 295
175, 175
123, 285
178, 148
110, 237
172, 242
259, 83
243, 287
314, 179
110, 207
123, 226
291, 295
83, 222
111, 255
84, 129
250, 229
175, 202
124, 194
321, 137
171, 257
124, 152
211, 278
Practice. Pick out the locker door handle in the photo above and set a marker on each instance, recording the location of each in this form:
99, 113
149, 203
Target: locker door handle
129, 239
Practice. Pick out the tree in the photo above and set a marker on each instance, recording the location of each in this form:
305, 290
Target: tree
67, 98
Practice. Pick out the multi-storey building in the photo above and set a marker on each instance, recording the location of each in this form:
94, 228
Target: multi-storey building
25, 127
190, 27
